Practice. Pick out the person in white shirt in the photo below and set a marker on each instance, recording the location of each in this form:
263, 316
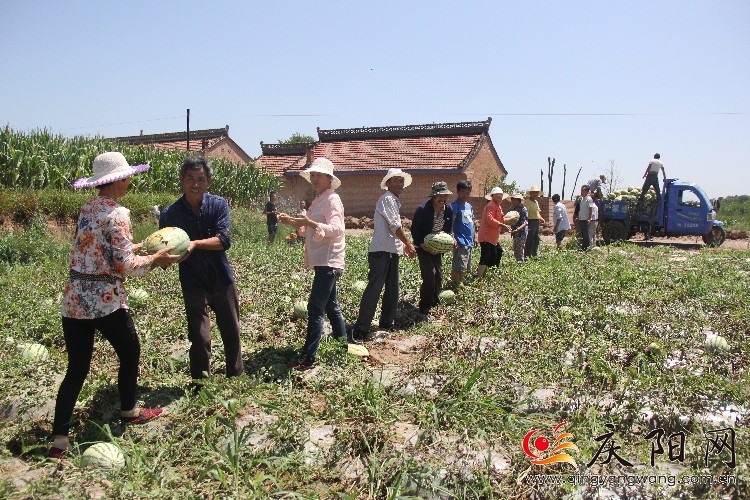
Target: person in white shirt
593, 224
560, 220
652, 177
584, 214
595, 185
389, 242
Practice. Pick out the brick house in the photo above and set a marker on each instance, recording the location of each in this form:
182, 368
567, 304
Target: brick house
212, 143
434, 152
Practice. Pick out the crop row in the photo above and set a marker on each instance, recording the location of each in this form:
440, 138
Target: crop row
40, 160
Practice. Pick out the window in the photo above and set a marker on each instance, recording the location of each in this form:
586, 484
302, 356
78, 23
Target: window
689, 199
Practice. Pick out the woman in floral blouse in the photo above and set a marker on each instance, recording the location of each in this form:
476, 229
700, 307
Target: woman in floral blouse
102, 255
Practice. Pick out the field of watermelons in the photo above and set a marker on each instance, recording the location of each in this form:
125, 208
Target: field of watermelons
633, 357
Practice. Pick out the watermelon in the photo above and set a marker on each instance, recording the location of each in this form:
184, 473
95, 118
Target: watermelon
439, 242
357, 350
137, 296
33, 353
103, 455
447, 297
359, 286
165, 238
654, 349
716, 344
300, 309
511, 217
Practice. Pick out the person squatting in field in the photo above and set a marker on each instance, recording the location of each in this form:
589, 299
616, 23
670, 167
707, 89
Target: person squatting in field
95, 298
493, 222
206, 277
432, 216
389, 242
324, 252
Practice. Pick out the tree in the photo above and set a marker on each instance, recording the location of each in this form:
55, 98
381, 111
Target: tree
297, 138
612, 173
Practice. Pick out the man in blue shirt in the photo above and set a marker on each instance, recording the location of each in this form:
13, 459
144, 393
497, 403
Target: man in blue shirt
463, 232
206, 277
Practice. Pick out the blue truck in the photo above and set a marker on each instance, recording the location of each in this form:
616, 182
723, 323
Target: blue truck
683, 210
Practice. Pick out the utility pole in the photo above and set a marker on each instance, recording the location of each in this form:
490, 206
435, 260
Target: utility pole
187, 134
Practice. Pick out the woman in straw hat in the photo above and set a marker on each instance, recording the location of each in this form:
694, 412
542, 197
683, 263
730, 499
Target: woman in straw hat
519, 230
324, 252
432, 216
493, 223
535, 220
102, 255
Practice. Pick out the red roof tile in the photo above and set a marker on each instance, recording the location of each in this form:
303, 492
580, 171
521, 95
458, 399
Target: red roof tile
423, 147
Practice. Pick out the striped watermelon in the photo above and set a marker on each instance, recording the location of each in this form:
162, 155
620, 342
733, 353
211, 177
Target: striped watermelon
439, 242
165, 238
511, 217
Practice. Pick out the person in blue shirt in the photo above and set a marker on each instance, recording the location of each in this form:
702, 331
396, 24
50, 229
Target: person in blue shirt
206, 277
463, 232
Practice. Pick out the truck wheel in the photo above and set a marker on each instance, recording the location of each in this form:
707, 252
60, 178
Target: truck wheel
715, 236
614, 231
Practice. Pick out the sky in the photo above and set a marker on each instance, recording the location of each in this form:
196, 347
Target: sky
593, 84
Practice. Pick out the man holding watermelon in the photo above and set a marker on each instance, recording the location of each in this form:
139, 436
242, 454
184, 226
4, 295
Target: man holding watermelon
389, 242
206, 277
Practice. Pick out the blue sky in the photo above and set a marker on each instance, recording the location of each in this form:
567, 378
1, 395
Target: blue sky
586, 82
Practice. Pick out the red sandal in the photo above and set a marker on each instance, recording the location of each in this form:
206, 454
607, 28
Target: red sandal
55, 452
146, 415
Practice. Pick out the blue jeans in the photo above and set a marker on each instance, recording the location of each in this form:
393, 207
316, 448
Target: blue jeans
323, 300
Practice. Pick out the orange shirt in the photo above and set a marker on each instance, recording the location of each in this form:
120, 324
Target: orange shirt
489, 229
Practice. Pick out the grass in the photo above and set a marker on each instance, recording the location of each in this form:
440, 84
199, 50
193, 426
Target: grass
564, 337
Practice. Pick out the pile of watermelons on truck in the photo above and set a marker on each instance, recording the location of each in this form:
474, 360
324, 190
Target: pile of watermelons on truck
683, 209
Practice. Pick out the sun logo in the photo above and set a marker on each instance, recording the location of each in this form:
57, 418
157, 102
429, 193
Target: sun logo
542, 444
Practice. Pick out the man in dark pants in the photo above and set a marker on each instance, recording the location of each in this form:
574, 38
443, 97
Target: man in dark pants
432, 216
584, 214
389, 242
652, 177
206, 277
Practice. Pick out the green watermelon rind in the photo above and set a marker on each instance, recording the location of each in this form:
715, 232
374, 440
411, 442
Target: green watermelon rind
439, 242
165, 238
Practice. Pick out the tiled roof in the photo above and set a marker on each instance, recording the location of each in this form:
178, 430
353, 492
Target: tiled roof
405, 153
173, 139
410, 147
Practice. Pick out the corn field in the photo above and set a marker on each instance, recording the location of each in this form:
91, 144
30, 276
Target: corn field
42, 160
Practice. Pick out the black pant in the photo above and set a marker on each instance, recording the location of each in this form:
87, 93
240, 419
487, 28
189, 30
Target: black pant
383, 273
652, 180
431, 269
532, 240
226, 306
119, 331
583, 227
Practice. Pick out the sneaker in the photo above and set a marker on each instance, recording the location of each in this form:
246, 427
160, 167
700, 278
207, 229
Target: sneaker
360, 337
299, 365
146, 415
56, 453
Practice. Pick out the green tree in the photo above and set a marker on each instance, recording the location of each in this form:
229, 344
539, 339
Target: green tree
297, 138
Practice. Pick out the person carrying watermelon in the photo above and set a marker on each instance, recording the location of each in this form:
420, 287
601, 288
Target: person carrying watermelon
431, 217
324, 252
493, 222
389, 242
206, 277
519, 230
101, 256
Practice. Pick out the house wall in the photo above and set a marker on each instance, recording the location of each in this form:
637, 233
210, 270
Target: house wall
225, 149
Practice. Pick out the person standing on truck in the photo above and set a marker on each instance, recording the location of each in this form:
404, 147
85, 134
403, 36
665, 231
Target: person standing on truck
652, 178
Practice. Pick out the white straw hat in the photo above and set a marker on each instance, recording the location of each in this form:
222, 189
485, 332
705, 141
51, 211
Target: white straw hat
109, 167
323, 166
395, 172
495, 190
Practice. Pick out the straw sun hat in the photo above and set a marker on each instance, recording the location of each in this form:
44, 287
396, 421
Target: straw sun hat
322, 166
109, 167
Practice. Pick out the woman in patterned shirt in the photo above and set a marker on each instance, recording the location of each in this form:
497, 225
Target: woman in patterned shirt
102, 255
